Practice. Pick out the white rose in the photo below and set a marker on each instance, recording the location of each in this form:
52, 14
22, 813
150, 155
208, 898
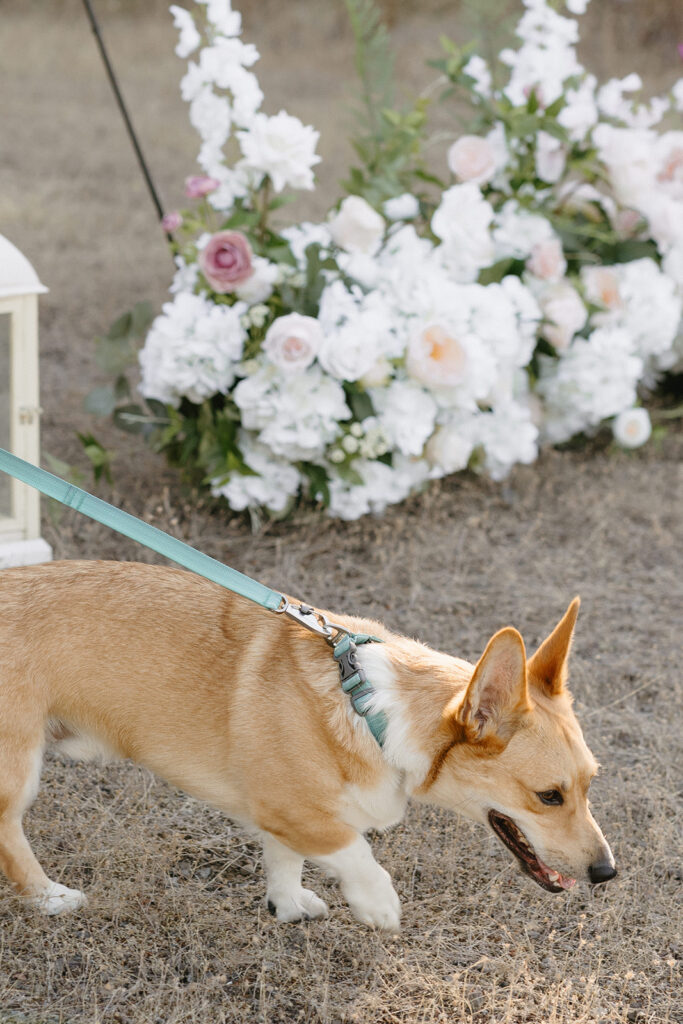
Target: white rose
357, 227
632, 428
602, 286
547, 260
292, 342
281, 147
436, 357
472, 158
562, 307
403, 207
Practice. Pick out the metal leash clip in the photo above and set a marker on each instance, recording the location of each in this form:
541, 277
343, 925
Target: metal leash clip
314, 621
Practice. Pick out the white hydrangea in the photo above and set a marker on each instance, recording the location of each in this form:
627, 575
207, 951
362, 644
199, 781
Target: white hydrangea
516, 231
462, 221
595, 379
382, 486
274, 485
507, 435
296, 416
358, 330
191, 350
406, 413
642, 300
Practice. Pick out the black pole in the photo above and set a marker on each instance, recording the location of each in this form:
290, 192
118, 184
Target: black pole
124, 113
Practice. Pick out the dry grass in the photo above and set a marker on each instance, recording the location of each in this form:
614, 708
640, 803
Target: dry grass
176, 931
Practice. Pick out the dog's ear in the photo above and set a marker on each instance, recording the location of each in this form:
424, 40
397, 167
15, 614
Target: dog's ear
497, 694
548, 666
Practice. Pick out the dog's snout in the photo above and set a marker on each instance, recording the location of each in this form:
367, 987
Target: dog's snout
602, 871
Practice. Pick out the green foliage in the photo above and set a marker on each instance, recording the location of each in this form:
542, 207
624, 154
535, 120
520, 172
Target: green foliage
99, 456
389, 141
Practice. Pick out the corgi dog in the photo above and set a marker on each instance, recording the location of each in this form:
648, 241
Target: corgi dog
245, 710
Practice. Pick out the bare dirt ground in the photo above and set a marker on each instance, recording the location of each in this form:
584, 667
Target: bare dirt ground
176, 931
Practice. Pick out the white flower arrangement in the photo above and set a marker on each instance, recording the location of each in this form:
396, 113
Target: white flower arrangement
423, 327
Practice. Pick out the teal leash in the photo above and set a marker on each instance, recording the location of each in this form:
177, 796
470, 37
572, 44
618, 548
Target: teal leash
343, 641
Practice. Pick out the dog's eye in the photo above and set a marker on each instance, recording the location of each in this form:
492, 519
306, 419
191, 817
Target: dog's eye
551, 797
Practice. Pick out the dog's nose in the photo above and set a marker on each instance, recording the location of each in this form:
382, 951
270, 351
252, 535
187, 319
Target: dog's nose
602, 871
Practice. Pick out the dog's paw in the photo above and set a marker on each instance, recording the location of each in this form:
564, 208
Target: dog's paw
57, 899
302, 905
378, 907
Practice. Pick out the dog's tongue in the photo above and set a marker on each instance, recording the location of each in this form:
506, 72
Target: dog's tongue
550, 873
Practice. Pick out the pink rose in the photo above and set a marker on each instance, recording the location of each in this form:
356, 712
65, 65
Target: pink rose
472, 158
226, 261
171, 221
198, 185
293, 341
547, 260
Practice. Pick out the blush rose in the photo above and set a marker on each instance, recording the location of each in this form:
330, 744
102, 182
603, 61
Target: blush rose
292, 342
226, 261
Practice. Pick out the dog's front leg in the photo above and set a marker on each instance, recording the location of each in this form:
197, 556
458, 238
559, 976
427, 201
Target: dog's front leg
365, 884
286, 897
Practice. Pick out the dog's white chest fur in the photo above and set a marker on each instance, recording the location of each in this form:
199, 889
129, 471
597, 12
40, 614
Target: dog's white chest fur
375, 807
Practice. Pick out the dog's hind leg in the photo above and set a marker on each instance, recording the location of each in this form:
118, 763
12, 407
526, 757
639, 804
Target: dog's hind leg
286, 897
20, 763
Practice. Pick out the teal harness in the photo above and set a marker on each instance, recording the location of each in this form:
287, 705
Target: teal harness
344, 642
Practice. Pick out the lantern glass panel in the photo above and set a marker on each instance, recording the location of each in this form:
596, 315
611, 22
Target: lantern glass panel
5, 408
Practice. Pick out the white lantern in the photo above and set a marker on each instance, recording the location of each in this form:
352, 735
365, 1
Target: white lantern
20, 540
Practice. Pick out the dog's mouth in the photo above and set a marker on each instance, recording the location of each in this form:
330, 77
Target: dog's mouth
531, 864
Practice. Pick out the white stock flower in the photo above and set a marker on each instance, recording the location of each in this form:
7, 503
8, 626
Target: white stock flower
292, 342
403, 207
550, 157
211, 116
677, 95
462, 222
577, 6
223, 18
192, 350
477, 69
632, 428
189, 36
357, 227
580, 112
282, 148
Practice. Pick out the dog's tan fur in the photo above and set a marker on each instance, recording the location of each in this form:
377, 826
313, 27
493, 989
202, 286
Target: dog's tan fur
244, 710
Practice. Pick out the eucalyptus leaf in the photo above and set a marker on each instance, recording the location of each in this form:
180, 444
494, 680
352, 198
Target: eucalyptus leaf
100, 401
